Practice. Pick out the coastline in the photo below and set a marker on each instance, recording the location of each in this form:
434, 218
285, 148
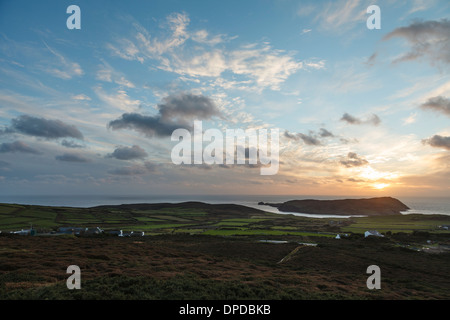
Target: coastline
425, 205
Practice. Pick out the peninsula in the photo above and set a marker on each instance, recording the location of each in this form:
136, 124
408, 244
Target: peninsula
367, 207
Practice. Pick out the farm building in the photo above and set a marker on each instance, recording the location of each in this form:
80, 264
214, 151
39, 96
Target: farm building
372, 233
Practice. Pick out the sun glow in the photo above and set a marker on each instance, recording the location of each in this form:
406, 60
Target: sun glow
380, 186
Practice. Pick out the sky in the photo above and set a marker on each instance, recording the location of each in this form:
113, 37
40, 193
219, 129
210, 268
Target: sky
359, 110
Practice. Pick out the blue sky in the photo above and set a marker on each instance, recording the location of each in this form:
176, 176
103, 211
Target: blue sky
360, 112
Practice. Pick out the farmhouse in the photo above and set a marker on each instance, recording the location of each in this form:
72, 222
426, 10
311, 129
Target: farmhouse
372, 233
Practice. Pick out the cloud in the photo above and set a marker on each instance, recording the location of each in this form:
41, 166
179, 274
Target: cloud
410, 119
263, 65
108, 74
304, 31
175, 111
268, 67
353, 160
439, 103
71, 144
148, 125
137, 169
307, 139
147, 47
71, 157
421, 5
120, 100
17, 146
427, 39
341, 16
325, 133
373, 119
202, 36
350, 119
126, 153
183, 107
41, 127
61, 67
81, 97
438, 141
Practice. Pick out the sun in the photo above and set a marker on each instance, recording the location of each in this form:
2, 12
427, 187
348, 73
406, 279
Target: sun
380, 186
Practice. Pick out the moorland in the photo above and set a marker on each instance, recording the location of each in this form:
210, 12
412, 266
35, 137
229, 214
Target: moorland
195, 250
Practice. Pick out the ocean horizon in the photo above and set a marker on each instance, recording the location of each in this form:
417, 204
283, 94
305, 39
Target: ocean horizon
417, 205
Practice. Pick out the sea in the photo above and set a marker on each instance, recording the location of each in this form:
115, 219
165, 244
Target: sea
417, 205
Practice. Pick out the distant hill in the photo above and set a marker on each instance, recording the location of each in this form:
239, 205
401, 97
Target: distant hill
217, 209
368, 207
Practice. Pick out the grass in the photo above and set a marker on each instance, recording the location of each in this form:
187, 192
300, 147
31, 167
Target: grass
251, 232
401, 223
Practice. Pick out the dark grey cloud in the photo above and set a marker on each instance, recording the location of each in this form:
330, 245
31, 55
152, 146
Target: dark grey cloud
438, 141
427, 39
127, 153
439, 103
350, 119
353, 160
310, 139
41, 127
137, 169
17, 146
148, 125
175, 111
71, 157
71, 144
184, 107
324, 133
373, 119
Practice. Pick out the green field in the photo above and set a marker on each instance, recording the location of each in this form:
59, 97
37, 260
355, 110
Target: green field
401, 223
201, 219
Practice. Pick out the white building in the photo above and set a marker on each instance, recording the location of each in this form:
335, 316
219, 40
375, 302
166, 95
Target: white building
372, 233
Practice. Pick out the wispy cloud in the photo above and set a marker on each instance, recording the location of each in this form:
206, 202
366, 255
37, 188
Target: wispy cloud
341, 16
62, 67
119, 99
421, 5
108, 74
265, 66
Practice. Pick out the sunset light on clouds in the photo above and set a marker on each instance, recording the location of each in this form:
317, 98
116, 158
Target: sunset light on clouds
91, 111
